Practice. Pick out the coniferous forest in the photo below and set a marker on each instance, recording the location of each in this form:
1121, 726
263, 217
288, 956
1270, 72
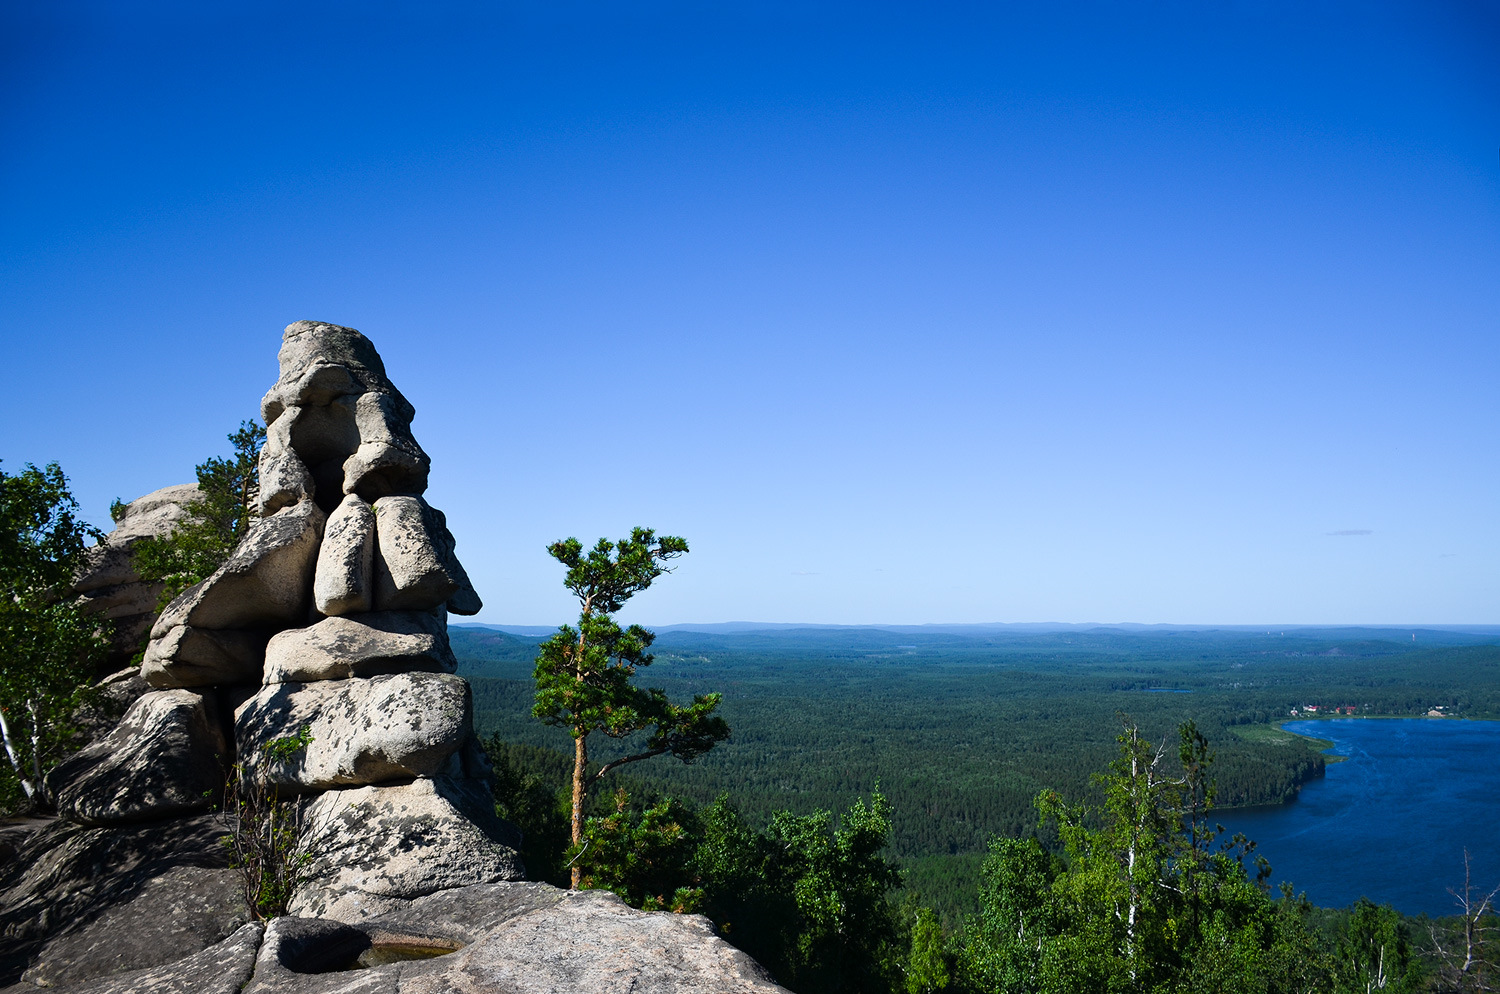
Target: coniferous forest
949, 809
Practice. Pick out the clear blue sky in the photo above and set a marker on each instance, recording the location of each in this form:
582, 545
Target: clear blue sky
1153, 312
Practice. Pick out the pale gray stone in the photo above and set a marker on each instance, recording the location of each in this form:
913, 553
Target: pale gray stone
388, 459
202, 657
592, 941
374, 847
309, 344
266, 583
284, 478
364, 731
64, 875
344, 581
412, 570
361, 645
312, 955
152, 516
514, 938
334, 407
466, 600
108, 584
165, 757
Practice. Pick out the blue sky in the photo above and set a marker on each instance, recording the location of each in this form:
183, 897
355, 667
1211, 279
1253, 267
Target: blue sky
1144, 312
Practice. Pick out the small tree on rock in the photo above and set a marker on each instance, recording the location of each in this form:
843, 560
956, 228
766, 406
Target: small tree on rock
583, 675
214, 523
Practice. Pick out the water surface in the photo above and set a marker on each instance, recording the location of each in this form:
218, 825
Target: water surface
1391, 822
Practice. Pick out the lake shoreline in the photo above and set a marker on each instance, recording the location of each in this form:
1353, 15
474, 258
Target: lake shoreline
1326, 744
1416, 794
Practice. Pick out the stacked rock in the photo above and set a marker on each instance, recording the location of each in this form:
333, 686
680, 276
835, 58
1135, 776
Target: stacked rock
336, 604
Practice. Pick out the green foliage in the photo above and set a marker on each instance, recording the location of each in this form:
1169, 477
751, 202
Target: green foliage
117, 508
927, 968
964, 730
214, 523
524, 781
1374, 952
642, 856
583, 676
809, 896
1144, 902
41, 538
265, 832
49, 648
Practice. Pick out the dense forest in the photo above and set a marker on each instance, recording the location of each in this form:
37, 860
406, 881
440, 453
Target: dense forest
961, 729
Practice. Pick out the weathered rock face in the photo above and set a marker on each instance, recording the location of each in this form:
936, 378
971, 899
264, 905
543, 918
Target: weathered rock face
174, 915
108, 584
373, 847
202, 657
265, 584
223, 968
413, 572
513, 938
167, 756
345, 579
361, 645
350, 428
66, 877
364, 731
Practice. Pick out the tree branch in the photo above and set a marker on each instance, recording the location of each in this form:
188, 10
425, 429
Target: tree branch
614, 764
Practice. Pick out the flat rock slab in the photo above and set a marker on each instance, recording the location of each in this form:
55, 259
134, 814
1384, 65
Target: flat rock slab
66, 876
376, 847
364, 731
183, 911
266, 582
203, 657
166, 756
223, 968
361, 645
517, 938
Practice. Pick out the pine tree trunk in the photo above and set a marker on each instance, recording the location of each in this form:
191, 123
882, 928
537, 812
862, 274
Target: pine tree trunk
580, 767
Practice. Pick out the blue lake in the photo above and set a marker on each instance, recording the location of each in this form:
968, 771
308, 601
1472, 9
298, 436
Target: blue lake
1390, 822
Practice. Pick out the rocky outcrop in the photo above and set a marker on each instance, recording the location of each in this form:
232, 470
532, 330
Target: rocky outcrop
266, 584
185, 656
325, 635
167, 756
223, 968
510, 939
382, 729
375, 847
66, 879
108, 584
502, 938
361, 645
336, 603
344, 582
185, 910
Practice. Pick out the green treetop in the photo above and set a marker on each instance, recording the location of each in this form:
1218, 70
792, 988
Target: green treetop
214, 523
583, 675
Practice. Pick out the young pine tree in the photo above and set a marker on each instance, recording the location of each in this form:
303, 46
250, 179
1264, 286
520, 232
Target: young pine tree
583, 675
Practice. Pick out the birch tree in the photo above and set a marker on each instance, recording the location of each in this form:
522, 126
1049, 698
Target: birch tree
48, 646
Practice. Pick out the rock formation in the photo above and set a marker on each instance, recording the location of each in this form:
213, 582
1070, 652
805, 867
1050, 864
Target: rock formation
109, 586
330, 617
